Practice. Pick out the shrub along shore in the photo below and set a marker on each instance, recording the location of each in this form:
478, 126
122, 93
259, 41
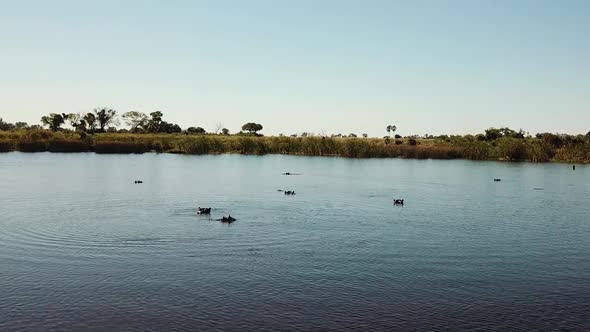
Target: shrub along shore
542, 148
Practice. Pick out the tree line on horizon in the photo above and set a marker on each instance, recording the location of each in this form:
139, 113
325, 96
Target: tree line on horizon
97, 131
106, 120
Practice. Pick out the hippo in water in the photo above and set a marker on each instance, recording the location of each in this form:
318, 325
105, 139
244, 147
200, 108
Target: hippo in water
138, 181
398, 201
289, 192
201, 210
229, 219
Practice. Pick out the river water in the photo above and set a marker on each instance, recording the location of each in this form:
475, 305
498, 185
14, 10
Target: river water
84, 248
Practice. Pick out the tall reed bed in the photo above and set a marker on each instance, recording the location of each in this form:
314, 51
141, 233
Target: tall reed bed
465, 147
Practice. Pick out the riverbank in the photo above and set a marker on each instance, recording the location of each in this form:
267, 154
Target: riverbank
454, 147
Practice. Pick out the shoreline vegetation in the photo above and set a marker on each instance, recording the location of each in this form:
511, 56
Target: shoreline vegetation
154, 135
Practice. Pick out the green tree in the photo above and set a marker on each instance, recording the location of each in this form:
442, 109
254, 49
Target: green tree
21, 125
252, 127
195, 131
153, 125
135, 120
90, 120
493, 134
54, 120
105, 117
391, 129
6, 125
225, 131
169, 128
77, 121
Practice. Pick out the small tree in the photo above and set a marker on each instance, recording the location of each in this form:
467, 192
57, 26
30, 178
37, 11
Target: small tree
6, 125
252, 127
353, 135
54, 120
195, 131
365, 135
225, 131
105, 117
153, 125
135, 120
391, 129
90, 119
77, 121
21, 125
169, 128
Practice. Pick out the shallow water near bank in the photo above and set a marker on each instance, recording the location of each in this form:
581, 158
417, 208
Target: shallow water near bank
84, 248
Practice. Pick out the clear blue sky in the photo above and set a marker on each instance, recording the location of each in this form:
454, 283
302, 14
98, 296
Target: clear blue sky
320, 66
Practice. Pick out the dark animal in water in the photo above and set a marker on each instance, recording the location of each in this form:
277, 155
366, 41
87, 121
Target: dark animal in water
287, 173
201, 210
229, 219
398, 201
497, 180
574, 167
289, 192
138, 181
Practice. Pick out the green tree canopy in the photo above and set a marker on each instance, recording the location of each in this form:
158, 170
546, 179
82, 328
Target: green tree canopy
21, 125
195, 131
77, 121
90, 120
105, 117
54, 120
6, 125
252, 127
153, 125
391, 129
135, 120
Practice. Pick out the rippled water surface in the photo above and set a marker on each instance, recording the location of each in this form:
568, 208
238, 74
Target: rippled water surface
84, 248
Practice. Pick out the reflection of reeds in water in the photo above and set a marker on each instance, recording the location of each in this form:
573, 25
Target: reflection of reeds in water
119, 147
7, 145
31, 146
68, 145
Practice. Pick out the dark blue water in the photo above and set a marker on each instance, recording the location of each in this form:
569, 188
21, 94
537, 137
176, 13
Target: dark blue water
84, 248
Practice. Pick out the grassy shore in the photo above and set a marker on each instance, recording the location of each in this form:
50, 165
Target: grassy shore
454, 147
